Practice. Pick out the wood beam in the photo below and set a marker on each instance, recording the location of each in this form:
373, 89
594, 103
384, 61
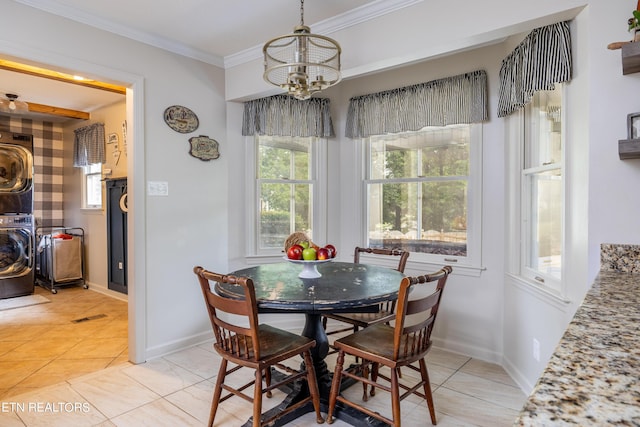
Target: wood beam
62, 77
58, 111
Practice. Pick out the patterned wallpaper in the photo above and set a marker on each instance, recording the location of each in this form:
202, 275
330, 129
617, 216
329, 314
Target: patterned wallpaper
47, 164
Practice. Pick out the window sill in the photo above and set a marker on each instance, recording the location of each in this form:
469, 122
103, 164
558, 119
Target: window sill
458, 269
546, 295
91, 210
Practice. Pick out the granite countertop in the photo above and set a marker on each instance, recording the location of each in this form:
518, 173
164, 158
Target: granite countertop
593, 378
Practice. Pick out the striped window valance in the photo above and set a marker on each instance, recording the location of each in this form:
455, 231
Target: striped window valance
88, 145
283, 115
542, 59
458, 99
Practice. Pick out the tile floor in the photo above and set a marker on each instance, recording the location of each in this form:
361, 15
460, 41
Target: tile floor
176, 390
40, 345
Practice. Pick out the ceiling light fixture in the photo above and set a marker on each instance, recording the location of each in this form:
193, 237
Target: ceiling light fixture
302, 63
12, 105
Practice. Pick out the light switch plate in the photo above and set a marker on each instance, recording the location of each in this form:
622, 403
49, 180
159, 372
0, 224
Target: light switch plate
157, 188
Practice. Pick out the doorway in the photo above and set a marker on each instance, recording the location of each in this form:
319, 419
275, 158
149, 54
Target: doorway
135, 173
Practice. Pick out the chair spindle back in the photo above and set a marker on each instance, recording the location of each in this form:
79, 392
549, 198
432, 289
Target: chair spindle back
416, 337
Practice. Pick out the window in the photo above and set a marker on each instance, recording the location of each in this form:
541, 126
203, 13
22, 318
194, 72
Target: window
423, 193
92, 186
542, 189
287, 190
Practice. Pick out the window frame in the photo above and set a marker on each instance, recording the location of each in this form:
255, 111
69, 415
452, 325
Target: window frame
537, 278
319, 197
472, 263
86, 174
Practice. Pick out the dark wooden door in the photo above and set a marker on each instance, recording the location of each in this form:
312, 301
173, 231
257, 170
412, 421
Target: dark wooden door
117, 233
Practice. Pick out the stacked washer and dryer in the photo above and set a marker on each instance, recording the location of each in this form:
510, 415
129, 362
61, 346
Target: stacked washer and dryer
16, 215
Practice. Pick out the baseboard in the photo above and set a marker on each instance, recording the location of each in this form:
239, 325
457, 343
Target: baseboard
177, 345
517, 376
468, 350
106, 291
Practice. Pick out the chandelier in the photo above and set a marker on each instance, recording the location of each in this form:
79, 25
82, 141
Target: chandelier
302, 63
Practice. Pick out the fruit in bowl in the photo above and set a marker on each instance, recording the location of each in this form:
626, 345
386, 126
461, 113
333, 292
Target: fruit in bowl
309, 254
323, 254
332, 250
295, 252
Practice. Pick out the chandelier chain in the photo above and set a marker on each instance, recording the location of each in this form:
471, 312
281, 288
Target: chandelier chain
301, 12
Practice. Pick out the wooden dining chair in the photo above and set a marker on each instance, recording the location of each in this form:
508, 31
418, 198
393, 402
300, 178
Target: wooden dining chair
400, 345
385, 310
243, 342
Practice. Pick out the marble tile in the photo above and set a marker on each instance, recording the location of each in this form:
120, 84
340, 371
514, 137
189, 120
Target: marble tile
445, 358
58, 406
195, 400
159, 413
162, 376
113, 392
477, 412
489, 371
495, 392
8, 415
195, 359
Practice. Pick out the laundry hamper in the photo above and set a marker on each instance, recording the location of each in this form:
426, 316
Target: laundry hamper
60, 257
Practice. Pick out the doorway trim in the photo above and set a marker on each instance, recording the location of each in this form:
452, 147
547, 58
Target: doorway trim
136, 237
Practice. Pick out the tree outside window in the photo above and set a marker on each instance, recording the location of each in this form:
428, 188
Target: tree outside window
418, 186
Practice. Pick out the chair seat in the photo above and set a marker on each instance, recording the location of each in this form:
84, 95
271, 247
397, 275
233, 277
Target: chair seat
275, 345
362, 320
375, 344
279, 345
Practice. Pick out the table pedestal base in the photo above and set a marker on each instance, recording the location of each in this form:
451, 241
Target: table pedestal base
313, 329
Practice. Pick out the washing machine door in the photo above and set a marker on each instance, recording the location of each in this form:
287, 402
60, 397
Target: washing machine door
15, 252
16, 169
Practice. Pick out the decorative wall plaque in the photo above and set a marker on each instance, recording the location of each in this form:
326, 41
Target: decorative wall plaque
204, 148
181, 119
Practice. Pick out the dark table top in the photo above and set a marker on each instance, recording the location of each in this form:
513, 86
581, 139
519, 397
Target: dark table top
341, 287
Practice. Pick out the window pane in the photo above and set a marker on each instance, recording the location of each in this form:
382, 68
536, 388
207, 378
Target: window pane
93, 190
429, 152
543, 129
284, 208
284, 158
546, 222
427, 217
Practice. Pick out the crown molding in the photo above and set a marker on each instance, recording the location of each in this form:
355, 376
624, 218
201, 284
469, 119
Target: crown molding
65, 11
328, 26
334, 24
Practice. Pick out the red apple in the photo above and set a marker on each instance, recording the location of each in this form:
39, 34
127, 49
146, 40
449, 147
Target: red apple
294, 252
332, 250
323, 253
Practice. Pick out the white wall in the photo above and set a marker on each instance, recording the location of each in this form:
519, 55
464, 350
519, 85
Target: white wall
168, 235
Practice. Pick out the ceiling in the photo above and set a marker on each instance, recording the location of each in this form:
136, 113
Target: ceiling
220, 32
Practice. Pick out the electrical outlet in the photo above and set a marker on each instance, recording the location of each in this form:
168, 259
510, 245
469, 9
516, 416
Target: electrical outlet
536, 350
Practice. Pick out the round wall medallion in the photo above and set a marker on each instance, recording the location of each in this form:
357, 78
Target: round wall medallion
181, 119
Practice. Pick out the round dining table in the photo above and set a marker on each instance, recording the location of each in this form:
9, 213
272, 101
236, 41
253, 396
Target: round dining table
342, 287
